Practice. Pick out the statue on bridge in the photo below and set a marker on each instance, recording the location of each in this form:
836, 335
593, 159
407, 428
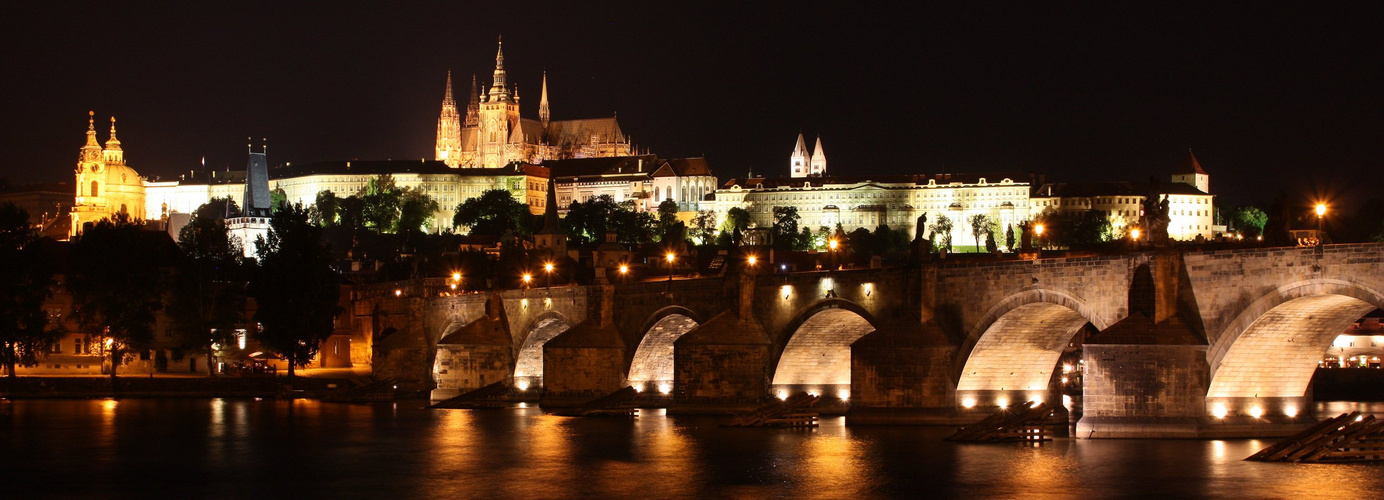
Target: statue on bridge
1156, 220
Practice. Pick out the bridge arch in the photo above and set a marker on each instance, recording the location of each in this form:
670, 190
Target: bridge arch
814, 349
1012, 351
1271, 349
528, 364
651, 366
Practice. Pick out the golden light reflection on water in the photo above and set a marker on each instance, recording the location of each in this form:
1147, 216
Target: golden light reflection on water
668, 452
833, 463
545, 442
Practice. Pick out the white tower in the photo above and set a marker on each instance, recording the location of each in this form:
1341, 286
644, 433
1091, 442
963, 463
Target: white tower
799, 163
819, 160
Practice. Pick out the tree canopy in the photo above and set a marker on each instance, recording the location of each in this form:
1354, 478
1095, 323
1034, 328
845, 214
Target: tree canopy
296, 291
208, 299
26, 272
117, 283
492, 213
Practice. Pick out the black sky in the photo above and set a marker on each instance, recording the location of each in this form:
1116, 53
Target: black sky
1270, 97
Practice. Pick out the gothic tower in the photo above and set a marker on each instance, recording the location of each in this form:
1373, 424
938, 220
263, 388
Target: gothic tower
798, 164
819, 160
543, 103
473, 107
499, 116
449, 129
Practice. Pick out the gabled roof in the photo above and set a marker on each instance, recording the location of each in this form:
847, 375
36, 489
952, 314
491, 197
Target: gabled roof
690, 166
1190, 165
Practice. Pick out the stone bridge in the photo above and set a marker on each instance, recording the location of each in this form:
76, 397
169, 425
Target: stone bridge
1194, 344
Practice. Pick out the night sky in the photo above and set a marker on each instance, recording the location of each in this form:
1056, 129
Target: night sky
1270, 98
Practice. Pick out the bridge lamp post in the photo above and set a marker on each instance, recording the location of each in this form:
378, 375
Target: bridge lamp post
548, 270
1039, 230
1134, 234
832, 244
624, 271
669, 257
528, 278
1321, 214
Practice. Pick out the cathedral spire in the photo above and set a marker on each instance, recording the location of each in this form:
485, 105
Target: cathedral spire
473, 107
448, 147
799, 162
447, 99
543, 102
499, 90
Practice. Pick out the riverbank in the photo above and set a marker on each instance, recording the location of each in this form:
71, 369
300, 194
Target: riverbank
167, 387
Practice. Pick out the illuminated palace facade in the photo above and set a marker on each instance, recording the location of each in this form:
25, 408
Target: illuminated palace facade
492, 133
855, 202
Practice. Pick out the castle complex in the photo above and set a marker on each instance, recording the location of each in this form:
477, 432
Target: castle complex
493, 134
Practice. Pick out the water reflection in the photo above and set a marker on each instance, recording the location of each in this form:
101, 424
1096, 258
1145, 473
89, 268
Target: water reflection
244, 448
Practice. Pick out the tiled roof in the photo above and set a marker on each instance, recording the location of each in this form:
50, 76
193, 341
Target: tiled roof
1190, 165
567, 132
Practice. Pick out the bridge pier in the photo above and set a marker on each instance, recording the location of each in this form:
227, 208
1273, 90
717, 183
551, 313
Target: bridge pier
900, 374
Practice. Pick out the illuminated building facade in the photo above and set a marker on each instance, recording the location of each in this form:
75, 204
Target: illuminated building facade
106, 186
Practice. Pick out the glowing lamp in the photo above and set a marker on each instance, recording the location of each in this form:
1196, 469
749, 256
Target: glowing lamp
832, 244
528, 278
664, 388
1002, 402
968, 403
456, 276
548, 267
1219, 411
522, 385
1134, 233
1037, 399
752, 260
1321, 209
782, 395
669, 256
398, 292
1256, 412
624, 269
1038, 229
843, 394
1290, 411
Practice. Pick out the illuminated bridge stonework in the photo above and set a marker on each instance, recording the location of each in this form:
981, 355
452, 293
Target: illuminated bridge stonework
1185, 343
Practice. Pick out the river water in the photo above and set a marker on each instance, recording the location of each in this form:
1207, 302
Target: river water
155, 448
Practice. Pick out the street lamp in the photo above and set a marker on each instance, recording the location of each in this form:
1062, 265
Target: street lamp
1039, 230
1321, 213
1134, 235
528, 278
669, 257
832, 244
548, 269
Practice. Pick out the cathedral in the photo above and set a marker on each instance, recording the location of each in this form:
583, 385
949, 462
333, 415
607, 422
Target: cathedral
492, 133
105, 185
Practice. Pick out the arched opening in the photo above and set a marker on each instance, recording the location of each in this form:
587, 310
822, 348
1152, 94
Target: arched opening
528, 367
1266, 368
652, 365
1014, 359
817, 355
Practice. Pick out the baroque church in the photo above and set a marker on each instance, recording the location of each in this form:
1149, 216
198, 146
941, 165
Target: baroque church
492, 134
106, 186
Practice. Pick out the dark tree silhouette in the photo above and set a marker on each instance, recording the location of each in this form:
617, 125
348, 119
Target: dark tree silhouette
118, 282
295, 289
208, 299
26, 272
